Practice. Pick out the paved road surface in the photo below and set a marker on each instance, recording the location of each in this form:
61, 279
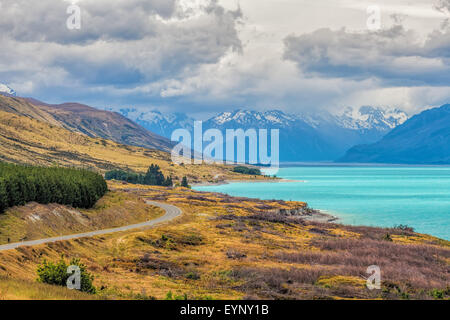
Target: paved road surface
171, 213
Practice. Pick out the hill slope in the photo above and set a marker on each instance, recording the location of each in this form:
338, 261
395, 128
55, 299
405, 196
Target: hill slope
87, 120
26, 140
423, 139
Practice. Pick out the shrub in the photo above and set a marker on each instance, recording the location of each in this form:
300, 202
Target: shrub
171, 296
56, 274
247, 170
235, 254
192, 275
403, 227
440, 294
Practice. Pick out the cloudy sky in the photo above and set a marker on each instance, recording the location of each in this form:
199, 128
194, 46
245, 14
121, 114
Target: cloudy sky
206, 56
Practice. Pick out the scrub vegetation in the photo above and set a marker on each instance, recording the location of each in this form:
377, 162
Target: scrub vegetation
237, 248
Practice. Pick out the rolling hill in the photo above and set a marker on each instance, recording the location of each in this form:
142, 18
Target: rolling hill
87, 120
423, 139
26, 140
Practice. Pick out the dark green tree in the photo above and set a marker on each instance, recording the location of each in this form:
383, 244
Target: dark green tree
22, 184
168, 182
184, 182
154, 176
3, 196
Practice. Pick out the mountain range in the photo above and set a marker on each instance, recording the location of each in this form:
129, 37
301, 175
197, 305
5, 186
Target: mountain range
364, 135
423, 139
318, 136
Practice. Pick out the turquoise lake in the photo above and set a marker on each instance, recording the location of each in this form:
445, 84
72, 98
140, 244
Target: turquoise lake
374, 196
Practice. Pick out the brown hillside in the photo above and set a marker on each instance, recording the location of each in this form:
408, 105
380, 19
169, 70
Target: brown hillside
87, 120
28, 141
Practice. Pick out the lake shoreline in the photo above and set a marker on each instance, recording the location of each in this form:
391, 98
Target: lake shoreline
314, 215
363, 196
225, 182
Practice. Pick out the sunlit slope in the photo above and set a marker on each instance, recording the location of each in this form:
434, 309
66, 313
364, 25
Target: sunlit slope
29, 141
84, 119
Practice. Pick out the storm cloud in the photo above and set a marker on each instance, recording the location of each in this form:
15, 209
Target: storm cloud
121, 43
207, 56
395, 55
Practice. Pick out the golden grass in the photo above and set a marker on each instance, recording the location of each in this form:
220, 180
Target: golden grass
17, 289
25, 140
37, 221
205, 256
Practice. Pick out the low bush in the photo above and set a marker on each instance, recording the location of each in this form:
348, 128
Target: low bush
57, 274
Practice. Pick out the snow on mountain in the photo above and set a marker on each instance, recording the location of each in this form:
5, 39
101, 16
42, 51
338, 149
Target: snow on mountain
364, 118
367, 118
157, 122
423, 139
318, 136
247, 118
5, 89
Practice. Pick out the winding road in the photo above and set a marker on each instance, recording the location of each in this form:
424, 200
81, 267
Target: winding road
171, 213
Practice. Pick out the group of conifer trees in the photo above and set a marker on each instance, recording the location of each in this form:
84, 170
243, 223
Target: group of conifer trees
75, 187
153, 177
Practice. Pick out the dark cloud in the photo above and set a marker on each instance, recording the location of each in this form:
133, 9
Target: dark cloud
395, 55
120, 43
45, 20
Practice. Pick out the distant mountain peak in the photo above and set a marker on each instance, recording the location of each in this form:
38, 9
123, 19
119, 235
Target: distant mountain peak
6, 89
250, 117
422, 139
158, 122
368, 117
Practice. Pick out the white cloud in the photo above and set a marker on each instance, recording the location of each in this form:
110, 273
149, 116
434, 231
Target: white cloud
210, 55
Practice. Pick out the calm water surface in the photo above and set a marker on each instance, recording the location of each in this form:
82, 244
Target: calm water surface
373, 196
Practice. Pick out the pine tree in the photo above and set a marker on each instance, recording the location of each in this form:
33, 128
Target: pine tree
22, 184
3, 196
168, 182
184, 182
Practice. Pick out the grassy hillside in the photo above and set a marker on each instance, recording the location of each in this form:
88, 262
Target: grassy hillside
87, 120
13, 289
36, 221
29, 141
232, 248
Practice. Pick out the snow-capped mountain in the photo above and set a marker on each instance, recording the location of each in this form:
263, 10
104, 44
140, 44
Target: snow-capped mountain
5, 89
364, 118
303, 137
422, 139
155, 121
316, 136
368, 118
248, 118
